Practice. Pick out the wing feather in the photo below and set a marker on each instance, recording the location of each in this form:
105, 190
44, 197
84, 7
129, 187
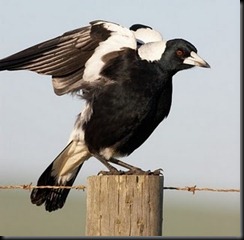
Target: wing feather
66, 58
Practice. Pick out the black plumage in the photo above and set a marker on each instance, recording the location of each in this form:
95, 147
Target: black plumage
124, 76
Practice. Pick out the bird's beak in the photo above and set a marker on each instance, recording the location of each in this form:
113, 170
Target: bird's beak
195, 60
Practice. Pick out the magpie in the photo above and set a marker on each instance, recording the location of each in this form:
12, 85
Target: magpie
124, 75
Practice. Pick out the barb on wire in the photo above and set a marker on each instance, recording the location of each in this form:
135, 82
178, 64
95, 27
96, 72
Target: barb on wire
192, 189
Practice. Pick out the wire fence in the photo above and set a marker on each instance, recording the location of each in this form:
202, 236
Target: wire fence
192, 189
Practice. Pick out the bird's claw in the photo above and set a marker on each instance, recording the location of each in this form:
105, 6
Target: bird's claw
157, 172
138, 171
113, 172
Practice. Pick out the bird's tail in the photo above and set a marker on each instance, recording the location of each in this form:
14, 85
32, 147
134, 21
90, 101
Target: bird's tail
61, 172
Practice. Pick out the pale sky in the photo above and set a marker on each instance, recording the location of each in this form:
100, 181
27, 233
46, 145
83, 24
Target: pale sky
199, 142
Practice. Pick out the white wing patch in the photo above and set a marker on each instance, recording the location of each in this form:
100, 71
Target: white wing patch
152, 51
120, 37
147, 35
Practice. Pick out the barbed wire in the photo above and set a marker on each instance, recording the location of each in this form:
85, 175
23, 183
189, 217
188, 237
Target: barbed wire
192, 189
30, 187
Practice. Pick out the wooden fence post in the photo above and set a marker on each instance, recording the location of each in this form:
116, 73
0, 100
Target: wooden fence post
124, 205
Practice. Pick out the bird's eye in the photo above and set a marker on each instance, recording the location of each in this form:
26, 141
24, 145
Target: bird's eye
179, 53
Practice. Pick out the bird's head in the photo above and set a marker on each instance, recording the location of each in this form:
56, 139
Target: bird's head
180, 54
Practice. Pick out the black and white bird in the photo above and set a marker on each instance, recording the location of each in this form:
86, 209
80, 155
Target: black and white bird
125, 77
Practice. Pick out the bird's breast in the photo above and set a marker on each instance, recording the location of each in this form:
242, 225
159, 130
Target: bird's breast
123, 117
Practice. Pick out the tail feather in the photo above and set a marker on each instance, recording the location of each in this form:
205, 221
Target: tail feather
53, 198
38, 195
61, 172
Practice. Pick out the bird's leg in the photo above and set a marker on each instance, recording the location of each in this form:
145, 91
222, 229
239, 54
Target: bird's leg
123, 164
133, 169
112, 170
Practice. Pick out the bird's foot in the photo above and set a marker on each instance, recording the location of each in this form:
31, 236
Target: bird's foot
158, 172
111, 172
134, 171
138, 171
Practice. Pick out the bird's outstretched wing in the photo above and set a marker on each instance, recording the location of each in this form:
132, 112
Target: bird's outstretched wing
74, 57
